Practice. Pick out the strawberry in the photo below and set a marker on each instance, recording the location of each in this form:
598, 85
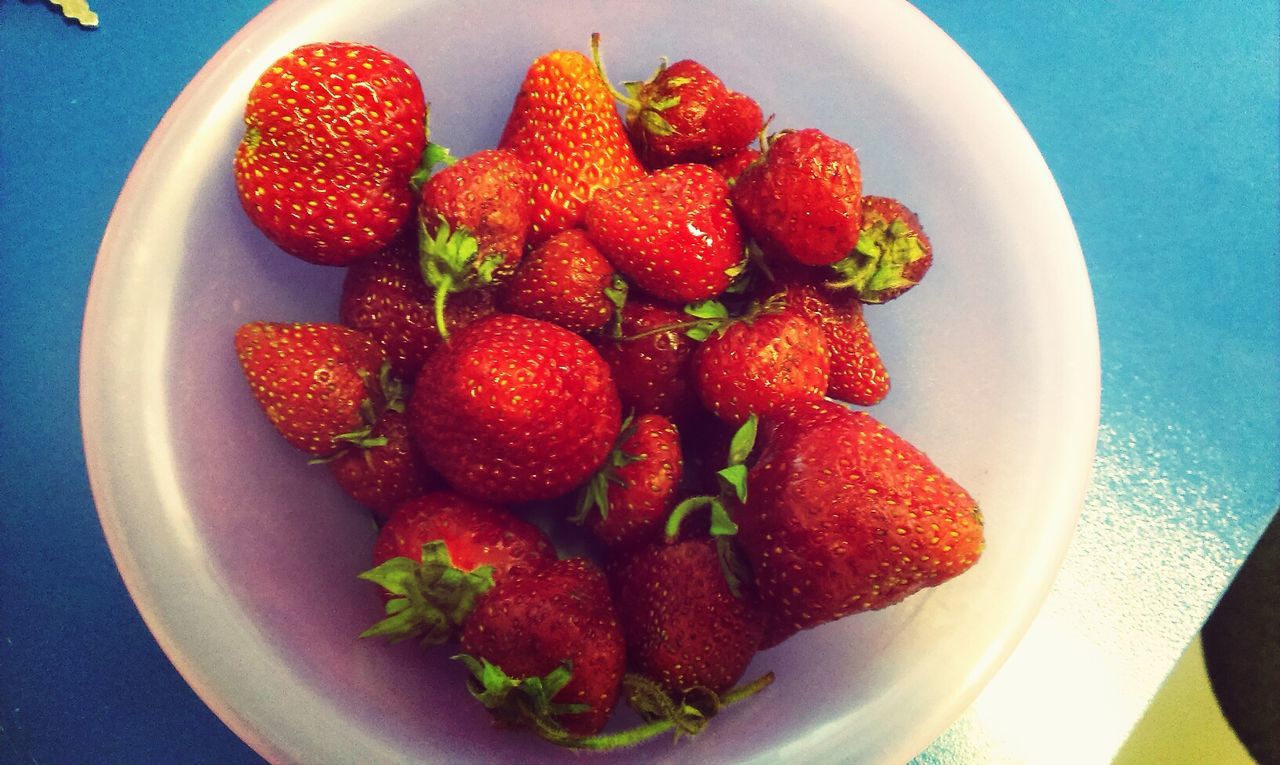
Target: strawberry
566, 281
892, 255
633, 492
734, 164
385, 472
652, 367
673, 233
438, 554
684, 627
843, 516
317, 383
564, 124
387, 297
333, 132
514, 409
804, 200
557, 626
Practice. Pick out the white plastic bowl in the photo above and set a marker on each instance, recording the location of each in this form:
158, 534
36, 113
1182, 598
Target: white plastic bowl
242, 559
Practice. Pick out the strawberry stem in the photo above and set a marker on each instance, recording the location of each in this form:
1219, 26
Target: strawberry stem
441, 297
626, 100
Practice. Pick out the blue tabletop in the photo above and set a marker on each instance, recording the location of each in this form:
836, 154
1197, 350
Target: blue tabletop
1161, 129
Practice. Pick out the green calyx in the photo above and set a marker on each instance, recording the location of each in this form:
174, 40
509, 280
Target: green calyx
451, 261
525, 701
430, 600
389, 393
642, 106
617, 292
434, 154
594, 494
877, 262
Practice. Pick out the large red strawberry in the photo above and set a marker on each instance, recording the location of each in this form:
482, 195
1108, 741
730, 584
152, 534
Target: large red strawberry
566, 281
557, 626
514, 409
317, 383
673, 233
627, 501
333, 132
565, 125
804, 199
684, 627
892, 255
843, 516
387, 296
651, 365
438, 554
386, 470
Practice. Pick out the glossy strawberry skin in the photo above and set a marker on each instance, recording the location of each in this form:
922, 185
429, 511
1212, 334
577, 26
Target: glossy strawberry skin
653, 372
673, 233
642, 496
858, 374
845, 516
804, 200
684, 627
381, 477
311, 379
333, 132
757, 365
707, 121
565, 125
385, 296
529, 624
514, 409
563, 281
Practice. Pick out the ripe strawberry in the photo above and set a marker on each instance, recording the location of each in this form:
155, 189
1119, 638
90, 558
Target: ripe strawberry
333, 132
684, 627
672, 233
627, 501
558, 625
514, 409
566, 281
804, 200
843, 516
317, 383
892, 255
564, 124
733, 165
652, 371
438, 554
387, 297
385, 472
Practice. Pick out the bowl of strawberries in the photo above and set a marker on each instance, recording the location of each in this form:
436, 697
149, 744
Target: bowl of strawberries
458, 402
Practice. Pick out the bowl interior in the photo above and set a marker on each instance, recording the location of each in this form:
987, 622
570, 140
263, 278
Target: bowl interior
242, 558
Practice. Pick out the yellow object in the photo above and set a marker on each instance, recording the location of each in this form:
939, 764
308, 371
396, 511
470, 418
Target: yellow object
79, 11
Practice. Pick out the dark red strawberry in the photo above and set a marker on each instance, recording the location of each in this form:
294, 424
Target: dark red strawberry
333, 132
804, 200
627, 501
557, 625
672, 234
652, 369
438, 554
386, 471
733, 165
684, 627
844, 516
317, 383
566, 281
514, 409
892, 255
564, 124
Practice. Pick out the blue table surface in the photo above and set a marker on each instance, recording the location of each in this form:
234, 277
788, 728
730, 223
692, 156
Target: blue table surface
1160, 126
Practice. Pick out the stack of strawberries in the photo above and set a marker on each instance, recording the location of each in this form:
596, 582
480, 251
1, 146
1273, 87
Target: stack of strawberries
600, 315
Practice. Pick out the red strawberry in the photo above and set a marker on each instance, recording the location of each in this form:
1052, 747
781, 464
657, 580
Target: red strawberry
387, 297
733, 165
332, 134
386, 472
892, 255
558, 625
438, 554
566, 281
564, 124
627, 501
514, 409
804, 200
672, 233
684, 627
317, 383
652, 370
843, 516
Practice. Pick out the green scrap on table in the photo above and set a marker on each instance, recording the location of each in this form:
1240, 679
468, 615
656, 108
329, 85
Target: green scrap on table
77, 10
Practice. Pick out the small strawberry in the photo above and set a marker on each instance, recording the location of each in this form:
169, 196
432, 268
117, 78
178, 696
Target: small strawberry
385, 470
673, 234
733, 165
564, 124
317, 383
514, 409
333, 132
566, 281
892, 255
844, 516
804, 200
438, 554
684, 627
387, 297
627, 501
651, 366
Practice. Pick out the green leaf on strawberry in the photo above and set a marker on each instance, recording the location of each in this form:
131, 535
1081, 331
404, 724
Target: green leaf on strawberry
430, 600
